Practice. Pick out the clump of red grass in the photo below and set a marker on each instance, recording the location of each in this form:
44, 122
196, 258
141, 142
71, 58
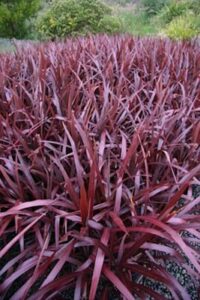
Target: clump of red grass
99, 141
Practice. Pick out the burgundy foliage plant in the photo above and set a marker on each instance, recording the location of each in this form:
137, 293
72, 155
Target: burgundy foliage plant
99, 157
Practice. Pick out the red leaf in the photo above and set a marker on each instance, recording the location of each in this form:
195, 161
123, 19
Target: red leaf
118, 221
19, 235
83, 204
117, 283
98, 264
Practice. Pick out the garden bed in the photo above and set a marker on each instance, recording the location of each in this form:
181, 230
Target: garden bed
100, 169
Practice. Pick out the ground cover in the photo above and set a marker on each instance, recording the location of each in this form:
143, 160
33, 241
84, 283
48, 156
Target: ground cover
99, 169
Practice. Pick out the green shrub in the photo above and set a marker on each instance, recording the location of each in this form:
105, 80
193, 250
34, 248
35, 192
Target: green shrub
183, 28
195, 6
72, 17
109, 24
174, 10
152, 7
15, 17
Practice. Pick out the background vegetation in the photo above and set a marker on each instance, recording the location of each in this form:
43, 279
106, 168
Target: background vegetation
170, 18
76, 17
16, 18
38, 19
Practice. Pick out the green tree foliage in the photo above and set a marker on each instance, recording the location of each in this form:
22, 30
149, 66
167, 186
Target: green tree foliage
15, 17
152, 7
195, 6
175, 9
71, 17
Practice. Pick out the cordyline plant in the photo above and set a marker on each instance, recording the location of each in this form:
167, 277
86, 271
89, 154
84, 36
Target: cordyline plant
99, 154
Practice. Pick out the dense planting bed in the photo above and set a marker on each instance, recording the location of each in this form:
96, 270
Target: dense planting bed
100, 170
